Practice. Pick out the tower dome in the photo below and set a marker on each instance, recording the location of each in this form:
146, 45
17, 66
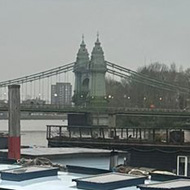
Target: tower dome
97, 57
97, 50
82, 55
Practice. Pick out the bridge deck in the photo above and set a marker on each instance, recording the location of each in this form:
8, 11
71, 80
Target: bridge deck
54, 108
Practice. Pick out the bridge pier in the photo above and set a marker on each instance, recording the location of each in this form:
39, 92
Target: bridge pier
98, 119
92, 119
112, 120
88, 119
78, 119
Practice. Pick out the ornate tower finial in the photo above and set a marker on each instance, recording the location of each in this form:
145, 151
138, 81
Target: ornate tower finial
98, 36
82, 52
82, 38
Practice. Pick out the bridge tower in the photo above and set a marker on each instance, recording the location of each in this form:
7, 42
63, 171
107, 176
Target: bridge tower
90, 85
81, 70
97, 71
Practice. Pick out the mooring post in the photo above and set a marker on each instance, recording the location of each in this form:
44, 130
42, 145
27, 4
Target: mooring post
127, 159
14, 122
113, 159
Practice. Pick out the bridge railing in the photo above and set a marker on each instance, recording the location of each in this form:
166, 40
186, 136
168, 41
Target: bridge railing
105, 109
129, 135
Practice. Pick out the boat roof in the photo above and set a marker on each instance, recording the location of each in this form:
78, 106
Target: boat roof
62, 181
178, 184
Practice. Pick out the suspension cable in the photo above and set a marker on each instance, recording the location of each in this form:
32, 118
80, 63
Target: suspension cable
147, 80
146, 77
130, 77
44, 74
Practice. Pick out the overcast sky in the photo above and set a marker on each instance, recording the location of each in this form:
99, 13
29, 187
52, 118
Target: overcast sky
36, 35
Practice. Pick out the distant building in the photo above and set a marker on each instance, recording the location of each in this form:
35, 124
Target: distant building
61, 93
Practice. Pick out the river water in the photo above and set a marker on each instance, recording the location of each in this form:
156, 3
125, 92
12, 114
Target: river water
33, 132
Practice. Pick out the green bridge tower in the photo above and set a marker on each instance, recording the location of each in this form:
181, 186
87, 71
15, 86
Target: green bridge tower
97, 71
90, 87
81, 70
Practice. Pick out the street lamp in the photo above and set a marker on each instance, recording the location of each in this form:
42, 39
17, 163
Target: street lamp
160, 101
124, 96
144, 100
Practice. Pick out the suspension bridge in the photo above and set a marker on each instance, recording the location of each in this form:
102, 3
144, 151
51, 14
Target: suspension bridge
50, 91
88, 78
38, 86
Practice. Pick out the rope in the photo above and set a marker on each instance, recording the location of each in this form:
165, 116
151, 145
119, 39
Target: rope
39, 161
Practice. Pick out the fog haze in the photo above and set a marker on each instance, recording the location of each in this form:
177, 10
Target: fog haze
36, 35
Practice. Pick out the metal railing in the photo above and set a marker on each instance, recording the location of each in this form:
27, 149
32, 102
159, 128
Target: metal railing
119, 135
106, 109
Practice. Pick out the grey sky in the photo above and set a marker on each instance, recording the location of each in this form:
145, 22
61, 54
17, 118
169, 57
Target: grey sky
36, 35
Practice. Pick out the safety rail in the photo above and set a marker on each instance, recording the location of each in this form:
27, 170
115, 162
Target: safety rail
106, 109
128, 134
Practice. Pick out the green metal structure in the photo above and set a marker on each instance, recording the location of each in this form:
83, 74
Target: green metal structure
81, 71
90, 76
